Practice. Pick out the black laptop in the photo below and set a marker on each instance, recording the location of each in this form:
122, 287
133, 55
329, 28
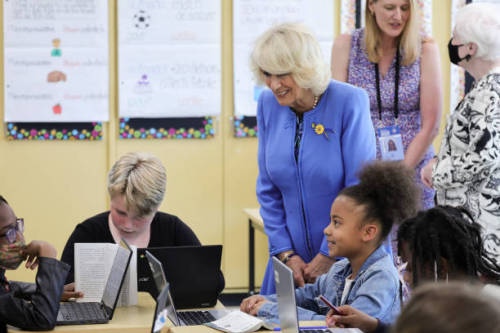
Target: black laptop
75, 313
193, 273
164, 300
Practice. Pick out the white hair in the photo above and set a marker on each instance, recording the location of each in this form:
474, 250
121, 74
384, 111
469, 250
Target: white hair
479, 23
291, 48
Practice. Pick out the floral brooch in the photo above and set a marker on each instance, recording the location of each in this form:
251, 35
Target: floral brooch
319, 129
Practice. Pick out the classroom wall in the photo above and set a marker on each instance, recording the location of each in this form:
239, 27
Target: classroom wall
55, 185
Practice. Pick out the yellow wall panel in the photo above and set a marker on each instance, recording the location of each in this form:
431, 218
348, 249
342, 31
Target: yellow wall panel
55, 185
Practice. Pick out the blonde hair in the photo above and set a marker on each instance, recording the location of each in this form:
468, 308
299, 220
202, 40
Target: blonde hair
291, 48
141, 178
410, 42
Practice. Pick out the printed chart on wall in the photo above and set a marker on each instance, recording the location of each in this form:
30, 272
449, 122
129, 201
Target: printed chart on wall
250, 19
169, 68
56, 68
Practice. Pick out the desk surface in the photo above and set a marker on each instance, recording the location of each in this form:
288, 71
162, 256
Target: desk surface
130, 319
255, 218
205, 329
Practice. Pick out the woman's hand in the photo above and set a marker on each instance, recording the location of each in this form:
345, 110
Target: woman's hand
426, 173
36, 249
351, 318
297, 265
69, 292
252, 304
318, 266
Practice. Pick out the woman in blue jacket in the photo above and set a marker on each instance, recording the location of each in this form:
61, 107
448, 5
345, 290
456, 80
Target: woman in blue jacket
314, 135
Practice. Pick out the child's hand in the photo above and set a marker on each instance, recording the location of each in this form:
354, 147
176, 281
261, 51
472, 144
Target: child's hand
37, 249
351, 317
69, 292
252, 304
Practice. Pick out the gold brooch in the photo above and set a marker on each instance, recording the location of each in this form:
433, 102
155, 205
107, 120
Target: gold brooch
321, 130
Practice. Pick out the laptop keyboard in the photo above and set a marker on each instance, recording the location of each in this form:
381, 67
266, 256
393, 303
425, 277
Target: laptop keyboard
81, 311
195, 317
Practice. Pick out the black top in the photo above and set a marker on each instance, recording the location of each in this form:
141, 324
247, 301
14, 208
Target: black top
33, 306
166, 230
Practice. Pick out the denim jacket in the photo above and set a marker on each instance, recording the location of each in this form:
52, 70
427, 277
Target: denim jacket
375, 291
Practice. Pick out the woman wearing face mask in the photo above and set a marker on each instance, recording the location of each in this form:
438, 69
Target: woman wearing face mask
26, 305
466, 171
400, 70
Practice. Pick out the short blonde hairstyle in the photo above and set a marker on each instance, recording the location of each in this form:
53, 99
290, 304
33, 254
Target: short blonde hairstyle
291, 48
141, 178
410, 42
479, 23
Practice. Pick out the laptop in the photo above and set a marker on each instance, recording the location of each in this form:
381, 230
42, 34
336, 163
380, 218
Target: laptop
160, 315
74, 313
193, 273
178, 318
287, 306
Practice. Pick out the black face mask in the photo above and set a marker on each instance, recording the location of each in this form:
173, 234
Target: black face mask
453, 53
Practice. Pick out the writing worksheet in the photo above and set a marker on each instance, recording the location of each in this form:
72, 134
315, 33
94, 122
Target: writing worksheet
169, 59
56, 60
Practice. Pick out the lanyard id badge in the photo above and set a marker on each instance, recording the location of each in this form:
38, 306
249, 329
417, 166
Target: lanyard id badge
391, 143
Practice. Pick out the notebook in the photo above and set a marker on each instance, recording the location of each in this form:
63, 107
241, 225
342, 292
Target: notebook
178, 318
73, 313
287, 307
193, 273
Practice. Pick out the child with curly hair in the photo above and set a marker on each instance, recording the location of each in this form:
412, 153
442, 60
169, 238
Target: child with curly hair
361, 218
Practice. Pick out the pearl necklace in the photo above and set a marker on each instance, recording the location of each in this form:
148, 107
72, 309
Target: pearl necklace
316, 99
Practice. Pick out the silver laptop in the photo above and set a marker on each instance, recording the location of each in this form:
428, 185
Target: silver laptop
160, 315
73, 313
287, 306
179, 318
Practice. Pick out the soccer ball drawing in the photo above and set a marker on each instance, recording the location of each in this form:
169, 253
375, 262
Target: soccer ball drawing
141, 20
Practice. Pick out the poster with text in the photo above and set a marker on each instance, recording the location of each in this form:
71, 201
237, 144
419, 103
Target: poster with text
169, 61
56, 60
251, 18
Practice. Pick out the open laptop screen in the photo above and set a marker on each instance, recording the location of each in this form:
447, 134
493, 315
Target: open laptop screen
157, 271
116, 276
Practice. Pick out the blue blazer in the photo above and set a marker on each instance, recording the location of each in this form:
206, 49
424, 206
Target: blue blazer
295, 197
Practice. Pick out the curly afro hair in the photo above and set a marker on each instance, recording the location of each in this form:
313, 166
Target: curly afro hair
388, 192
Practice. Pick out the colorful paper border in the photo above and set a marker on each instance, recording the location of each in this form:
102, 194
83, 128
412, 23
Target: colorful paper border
245, 127
167, 128
54, 131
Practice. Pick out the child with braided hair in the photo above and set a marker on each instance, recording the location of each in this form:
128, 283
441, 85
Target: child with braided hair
443, 243
439, 244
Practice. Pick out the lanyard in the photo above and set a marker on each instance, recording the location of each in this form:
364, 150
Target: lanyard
396, 88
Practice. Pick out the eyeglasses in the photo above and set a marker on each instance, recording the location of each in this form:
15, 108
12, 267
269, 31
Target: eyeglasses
11, 234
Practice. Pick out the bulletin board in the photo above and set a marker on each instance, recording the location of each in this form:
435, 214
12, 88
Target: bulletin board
169, 68
55, 69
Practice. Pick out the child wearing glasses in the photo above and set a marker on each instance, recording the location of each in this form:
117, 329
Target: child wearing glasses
26, 305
